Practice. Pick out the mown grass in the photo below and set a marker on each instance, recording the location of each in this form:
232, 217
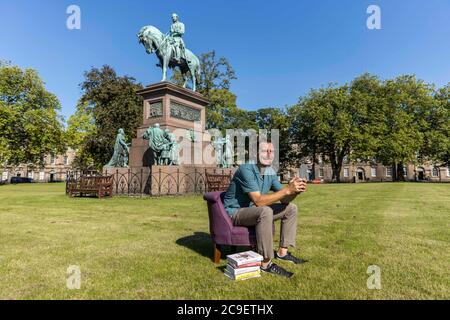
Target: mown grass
159, 248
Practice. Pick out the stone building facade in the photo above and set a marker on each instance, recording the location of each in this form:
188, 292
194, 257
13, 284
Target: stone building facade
54, 169
376, 172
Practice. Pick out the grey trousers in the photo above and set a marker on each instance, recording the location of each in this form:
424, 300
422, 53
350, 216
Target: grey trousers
262, 218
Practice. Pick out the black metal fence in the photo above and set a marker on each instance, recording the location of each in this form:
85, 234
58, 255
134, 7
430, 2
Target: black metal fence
160, 182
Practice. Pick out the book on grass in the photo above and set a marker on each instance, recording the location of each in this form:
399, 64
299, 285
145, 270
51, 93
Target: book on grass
240, 271
244, 276
242, 258
247, 265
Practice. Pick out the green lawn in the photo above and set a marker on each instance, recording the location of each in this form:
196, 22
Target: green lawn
159, 248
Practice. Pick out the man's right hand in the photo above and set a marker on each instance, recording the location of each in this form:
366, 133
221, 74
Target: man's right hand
303, 185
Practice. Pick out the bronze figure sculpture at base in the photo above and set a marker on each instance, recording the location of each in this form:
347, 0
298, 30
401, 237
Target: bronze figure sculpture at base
163, 145
119, 158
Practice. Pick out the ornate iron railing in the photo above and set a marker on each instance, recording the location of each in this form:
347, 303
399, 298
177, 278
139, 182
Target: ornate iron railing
160, 182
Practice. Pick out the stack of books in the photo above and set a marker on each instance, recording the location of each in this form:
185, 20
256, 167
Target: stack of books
244, 265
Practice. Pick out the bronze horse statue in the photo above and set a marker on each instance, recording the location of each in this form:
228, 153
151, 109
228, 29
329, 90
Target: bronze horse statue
155, 41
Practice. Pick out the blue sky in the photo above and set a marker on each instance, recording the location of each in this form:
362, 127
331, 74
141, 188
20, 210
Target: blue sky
279, 49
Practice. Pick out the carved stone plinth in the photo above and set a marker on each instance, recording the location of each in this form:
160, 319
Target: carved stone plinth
178, 110
174, 108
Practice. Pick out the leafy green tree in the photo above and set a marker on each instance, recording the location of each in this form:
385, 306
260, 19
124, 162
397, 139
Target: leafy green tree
113, 103
216, 75
80, 126
436, 146
222, 111
402, 121
6, 131
365, 97
325, 123
393, 121
30, 126
304, 140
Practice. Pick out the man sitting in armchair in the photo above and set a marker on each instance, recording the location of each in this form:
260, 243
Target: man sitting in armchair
249, 203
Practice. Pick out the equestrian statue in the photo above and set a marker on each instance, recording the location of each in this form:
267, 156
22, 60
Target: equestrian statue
171, 51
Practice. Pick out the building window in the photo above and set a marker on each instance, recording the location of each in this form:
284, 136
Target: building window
405, 171
346, 173
52, 160
435, 172
5, 176
41, 176
30, 174
448, 171
373, 172
388, 172
321, 173
66, 160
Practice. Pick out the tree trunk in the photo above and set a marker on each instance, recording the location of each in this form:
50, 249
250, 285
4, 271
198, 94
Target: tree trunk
314, 167
338, 171
333, 168
400, 172
333, 173
336, 164
313, 176
394, 171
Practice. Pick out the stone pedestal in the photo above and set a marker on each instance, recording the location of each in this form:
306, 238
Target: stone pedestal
178, 110
172, 107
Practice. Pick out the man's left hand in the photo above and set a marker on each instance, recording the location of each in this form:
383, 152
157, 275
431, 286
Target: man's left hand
303, 186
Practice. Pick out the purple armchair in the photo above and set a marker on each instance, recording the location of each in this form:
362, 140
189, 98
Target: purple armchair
223, 233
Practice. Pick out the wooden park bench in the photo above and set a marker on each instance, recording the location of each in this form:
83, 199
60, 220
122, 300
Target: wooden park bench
100, 186
218, 182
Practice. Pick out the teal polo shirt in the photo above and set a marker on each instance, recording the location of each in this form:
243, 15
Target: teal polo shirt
248, 179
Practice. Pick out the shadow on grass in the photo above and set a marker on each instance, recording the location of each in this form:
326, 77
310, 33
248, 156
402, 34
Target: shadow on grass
199, 242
